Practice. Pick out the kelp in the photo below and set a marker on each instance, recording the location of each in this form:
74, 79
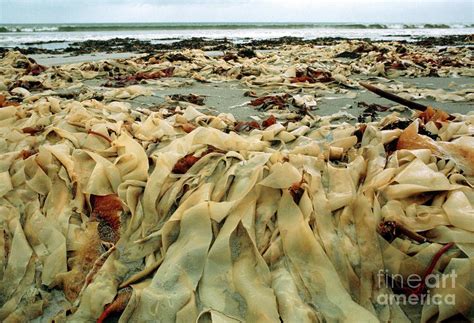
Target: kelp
249, 125
5, 103
175, 215
124, 80
191, 98
269, 101
311, 75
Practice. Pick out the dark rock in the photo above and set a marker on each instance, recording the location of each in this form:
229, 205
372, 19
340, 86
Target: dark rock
346, 54
247, 53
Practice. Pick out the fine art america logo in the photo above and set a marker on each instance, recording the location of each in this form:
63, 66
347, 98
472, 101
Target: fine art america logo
416, 289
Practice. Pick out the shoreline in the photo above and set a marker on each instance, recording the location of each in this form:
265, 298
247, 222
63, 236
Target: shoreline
224, 96
229, 96
124, 45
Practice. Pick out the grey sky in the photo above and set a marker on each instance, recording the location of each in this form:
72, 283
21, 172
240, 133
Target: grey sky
64, 11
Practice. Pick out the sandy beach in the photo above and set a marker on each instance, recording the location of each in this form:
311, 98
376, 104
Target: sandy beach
229, 96
263, 182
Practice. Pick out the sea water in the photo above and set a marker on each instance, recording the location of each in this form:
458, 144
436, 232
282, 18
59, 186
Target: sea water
59, 35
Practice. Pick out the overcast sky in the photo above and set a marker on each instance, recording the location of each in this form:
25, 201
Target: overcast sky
69, 11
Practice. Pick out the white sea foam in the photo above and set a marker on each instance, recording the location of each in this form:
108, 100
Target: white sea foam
22, 35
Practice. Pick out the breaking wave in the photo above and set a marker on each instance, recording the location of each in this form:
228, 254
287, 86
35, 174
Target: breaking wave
203, 26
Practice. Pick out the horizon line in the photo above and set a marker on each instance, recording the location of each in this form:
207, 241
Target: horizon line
238, 22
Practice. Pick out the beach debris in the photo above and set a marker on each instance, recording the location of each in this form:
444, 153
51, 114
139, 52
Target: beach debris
348, 54
156, 59
20, 92
5, 103
247, 53
26, 153
251, 94
421, 288
118, 305
393, 97
267, 102
107, 211
461, 150
121, 81
370, 111
436, 115
304, 101
28, 84
410, 139
246, 125
296, 190
242, 53
128, 92
35, 69
32, 130
391, 230
91, 132
373, 107
241, 126
88, 250
191, 98
230, 56
187, 127
312, 75
184, 164
142, 274
271, 120
176, 57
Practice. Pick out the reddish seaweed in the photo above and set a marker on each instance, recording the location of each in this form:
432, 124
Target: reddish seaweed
312, 75
35, 69
271, 120
5, 103
118, 305
107, 210
120, 81
186, 162
420, 289
268, 101
32, 130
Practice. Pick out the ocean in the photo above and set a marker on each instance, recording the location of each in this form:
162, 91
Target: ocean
55, 36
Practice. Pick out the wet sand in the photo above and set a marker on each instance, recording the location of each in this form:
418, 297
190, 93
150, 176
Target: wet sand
61, 59
228, 97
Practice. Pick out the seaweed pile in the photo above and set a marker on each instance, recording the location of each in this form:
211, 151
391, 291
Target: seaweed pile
174, 215
121, 45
